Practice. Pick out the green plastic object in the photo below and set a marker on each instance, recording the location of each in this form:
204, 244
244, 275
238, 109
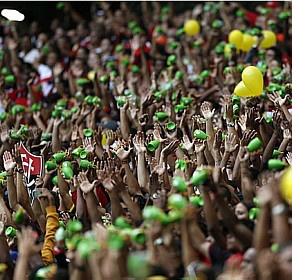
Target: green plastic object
17, 109
153, 145
161, 116
88, 100
171, 60
76, 152
115, 242
158, 95
83, 154
119, 48
84, 164
74, 226
55, 180
50, 165
67, 172
88, 132
174, 215
3, 116
60, 234
121, 223
58, 157
170, 126
35, 107
10, 232
276, 164
60, 6
9, 79
3, 175
103, 79
196, 201
82, 81
186, 101
152, 213
138, 236
276, 153
181, 164
177, 201
200, 134
179, 108
254, 145
96, 101
253, 213
179, 75
199, 177
19, 217
179, 184
135, 69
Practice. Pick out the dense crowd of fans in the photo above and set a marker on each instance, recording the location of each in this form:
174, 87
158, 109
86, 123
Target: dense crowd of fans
152, 167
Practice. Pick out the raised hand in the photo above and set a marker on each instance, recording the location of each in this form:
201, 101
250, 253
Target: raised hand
200, 145
207, 111
170, 148
118, 148
188, 145
277, 99
58, 69
8, 161
26, 242
247, 137
88, 145
4, 130
139, 142
84, 184
287, 134
277, 118
242, 122
218, 140
230, 143
157, 133
243, 155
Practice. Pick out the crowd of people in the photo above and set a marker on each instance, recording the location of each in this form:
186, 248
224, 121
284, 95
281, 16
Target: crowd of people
152, 167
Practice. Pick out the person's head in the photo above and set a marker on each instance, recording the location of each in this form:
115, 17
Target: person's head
82, 53
52, 59
63, 43
241, 211
105, 45
82, 30
26, 43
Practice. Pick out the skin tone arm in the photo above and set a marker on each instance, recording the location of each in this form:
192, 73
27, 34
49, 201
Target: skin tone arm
280, 226
9, 165
230, 147
261, 238
90, 198
271, 145
247, 186
56, 144
125, 129
240, 231
26, 248
212, 219
38, 121
64, 192
139, 144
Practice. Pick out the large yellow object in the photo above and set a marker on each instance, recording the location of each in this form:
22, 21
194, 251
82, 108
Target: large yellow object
286, 185
235, 37
247, 42
253, 79
242, 91
269, 39
191, 27
252, 82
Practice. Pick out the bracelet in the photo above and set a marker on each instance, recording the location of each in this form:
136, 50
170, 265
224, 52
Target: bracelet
20, 170
278, 209
125, 161
231, 124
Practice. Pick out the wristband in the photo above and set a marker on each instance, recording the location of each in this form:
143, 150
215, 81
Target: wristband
125, 161
278, 209
231, 124
20, 170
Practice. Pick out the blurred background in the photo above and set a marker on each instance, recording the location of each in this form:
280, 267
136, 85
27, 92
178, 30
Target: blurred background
45, 11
